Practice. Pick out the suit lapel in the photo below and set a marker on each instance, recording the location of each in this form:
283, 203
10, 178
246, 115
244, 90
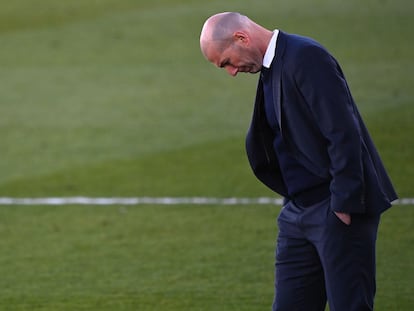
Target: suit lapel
277, 79
276, 90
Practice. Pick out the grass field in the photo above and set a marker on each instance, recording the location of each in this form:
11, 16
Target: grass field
113, 98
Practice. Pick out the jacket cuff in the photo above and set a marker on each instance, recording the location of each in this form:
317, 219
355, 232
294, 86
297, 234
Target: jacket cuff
349, 205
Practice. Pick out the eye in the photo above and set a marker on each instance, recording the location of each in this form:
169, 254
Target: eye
224, 63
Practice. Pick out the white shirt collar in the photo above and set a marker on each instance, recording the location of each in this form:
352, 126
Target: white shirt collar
270, 52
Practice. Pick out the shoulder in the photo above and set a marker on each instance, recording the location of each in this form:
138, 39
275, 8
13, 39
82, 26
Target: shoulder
300, 50
297, 46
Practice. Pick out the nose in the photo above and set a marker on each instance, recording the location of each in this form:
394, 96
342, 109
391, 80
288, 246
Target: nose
232, 70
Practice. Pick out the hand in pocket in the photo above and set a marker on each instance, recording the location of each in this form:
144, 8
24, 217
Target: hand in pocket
344, 217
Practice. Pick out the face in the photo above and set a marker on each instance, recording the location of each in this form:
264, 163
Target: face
236, 58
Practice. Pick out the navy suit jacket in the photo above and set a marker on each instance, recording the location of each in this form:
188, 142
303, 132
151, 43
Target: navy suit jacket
322, 128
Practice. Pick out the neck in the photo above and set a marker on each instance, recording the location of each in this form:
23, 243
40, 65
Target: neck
264, 38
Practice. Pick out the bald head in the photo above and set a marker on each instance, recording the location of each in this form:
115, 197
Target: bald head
218, 30
229, 37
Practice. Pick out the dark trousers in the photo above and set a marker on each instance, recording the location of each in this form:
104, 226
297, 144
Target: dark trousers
319, 258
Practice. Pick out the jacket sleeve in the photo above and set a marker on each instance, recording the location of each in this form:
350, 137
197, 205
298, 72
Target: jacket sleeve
324, 89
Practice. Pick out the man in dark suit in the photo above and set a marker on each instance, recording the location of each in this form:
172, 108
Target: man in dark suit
308, 143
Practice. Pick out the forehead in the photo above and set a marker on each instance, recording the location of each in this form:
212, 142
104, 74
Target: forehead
216, 54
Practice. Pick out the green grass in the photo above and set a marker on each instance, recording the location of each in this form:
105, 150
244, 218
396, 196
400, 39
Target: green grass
113, 98
136, 258
177, 257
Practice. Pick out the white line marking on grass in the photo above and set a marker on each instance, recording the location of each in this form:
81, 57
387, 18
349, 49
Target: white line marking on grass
155, 200
138, 201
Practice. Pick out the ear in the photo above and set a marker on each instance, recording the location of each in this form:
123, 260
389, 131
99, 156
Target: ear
241, 37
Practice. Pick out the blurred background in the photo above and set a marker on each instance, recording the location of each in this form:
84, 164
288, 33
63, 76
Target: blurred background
112, 98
